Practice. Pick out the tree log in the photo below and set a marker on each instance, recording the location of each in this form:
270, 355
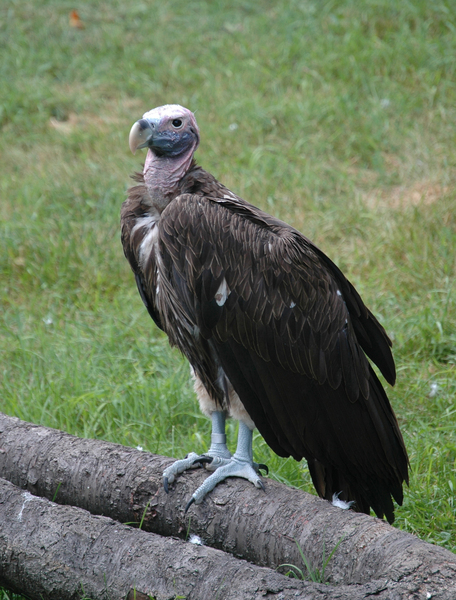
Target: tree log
262, 527
54, 552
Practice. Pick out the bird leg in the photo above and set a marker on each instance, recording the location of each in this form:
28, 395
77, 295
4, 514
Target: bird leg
217, 455
240, 465
218, 449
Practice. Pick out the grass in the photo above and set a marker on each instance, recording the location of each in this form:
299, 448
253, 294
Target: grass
315, 574
338, 117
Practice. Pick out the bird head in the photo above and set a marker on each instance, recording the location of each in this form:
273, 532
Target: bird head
168, 131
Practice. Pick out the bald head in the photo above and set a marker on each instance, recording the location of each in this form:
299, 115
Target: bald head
168, 130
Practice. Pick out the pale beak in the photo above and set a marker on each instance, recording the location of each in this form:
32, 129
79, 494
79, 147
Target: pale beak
140, 134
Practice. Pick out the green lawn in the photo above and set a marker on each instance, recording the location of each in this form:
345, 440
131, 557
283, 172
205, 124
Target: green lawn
338, 117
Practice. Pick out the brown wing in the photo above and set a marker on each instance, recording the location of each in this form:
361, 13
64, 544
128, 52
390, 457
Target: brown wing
286, 327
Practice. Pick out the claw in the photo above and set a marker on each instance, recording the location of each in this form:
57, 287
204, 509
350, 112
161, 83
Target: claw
189, 503
264, 468
261, 485
165, 484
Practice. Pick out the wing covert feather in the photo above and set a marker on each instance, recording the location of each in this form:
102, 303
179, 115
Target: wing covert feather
281, 303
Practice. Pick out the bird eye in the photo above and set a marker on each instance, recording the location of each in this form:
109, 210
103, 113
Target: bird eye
177, 123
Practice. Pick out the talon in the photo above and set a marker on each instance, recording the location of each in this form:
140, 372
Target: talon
189, 503
165, 484
264, 468
261, 484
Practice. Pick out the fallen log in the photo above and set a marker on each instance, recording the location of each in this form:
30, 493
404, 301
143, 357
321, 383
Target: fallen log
236, 517
54, 552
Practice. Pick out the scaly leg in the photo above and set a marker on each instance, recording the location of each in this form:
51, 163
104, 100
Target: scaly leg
217, 455
240, 465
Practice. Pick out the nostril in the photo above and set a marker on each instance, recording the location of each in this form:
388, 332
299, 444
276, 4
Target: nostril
144, 124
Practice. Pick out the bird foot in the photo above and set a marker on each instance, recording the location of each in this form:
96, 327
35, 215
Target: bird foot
233, 468
212, 463
191, 461
178, 467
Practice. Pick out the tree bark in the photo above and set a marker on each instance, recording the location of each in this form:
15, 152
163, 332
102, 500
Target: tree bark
261, 527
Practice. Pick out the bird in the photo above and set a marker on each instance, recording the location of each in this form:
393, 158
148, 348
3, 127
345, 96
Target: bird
275, 334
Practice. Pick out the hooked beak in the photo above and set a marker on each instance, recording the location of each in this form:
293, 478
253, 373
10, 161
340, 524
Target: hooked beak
140, 134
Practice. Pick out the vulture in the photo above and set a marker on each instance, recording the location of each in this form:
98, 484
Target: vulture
276, 336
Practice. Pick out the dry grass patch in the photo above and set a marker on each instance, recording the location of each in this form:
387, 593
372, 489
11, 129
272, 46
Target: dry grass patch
115, 114
400, 197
